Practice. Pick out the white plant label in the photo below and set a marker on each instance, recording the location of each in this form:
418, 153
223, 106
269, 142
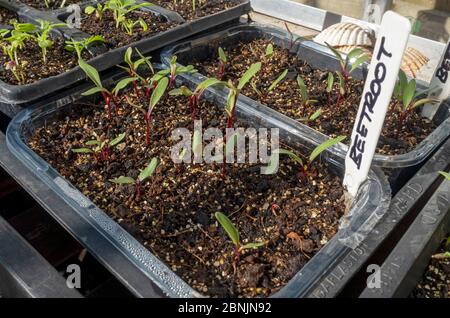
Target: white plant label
379, 86
440, 84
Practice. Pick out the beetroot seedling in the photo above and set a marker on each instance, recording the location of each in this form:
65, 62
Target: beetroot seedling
144, 175
173, 71
83, 45
306, 101
405, 92
222, 63
108, 96
304, 167
99, 146
133, 68
195, 96
354, 59
330, 86
272, 86
234, 236
234, 91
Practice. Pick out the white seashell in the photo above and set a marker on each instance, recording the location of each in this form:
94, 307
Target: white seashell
348, 48
413, 61
345, 33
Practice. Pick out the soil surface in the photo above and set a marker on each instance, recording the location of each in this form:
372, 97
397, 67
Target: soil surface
117, 37
175, 219
336, 119
56, 4
435, 282
59, 61
6, 16
203, 8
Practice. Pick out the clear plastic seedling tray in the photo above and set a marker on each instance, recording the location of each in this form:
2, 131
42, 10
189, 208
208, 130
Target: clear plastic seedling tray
13, 98
370, 205
317, 56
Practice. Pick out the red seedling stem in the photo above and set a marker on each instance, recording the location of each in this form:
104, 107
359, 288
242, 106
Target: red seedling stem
171, 81
221, 72
147, 117
105, 153
107, 99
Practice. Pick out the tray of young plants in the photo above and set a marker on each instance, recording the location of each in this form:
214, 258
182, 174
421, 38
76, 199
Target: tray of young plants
201, 227
314, 89
41, 59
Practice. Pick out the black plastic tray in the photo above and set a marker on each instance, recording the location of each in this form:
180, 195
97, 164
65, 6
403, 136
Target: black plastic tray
348, 279
317, 56
405, 265
372, 202
15, 97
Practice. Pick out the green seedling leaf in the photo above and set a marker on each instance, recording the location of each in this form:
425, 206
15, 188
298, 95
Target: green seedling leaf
359, 61
341, 84
117, 140
330, 82
146, 60
303, 90
123, 83
248, 75
82, 150
255, 89
272, 166
127, 56
149, 170
269, 51
336, 53
89, 10
403, 80
324, 146
207, 83
253, 245
278, 80
423, 102
229, 227
182, 91
93, 142
316, 114
408, 94
354, 54
91, 72
447, 242
93, 91
159, 92
446, 175
122, 180
222, 55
